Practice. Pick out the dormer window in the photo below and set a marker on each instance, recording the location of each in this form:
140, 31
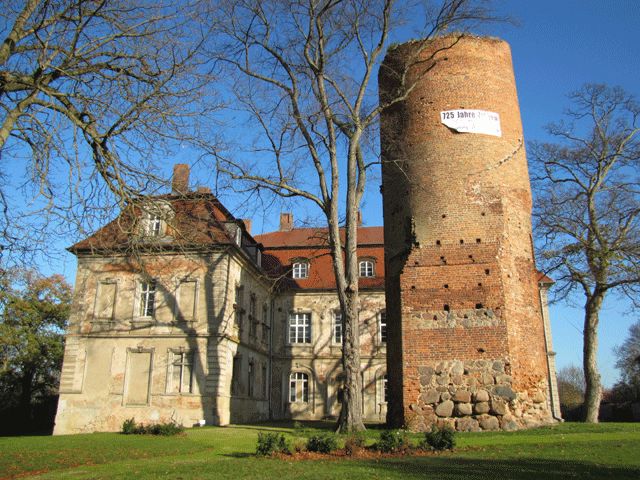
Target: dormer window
300, 269
155, 218
367, 268
154, 225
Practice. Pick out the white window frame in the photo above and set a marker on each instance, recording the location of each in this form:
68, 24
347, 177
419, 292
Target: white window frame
154, 225
337, 332
184, 358
300, 269
384, 389
367, 268
299, 328
299, 387
143, 298
382, 326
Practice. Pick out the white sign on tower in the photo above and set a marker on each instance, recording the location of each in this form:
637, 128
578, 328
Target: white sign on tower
472, 121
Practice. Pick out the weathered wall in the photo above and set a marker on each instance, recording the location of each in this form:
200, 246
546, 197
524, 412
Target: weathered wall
462, 297
321, 359
120, 365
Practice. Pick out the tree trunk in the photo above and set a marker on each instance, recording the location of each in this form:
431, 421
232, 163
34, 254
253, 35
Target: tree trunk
593, 392
350, 419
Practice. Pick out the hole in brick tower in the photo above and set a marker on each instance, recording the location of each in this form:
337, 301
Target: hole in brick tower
481, 350
487, 271
437, 242
446, 285
478, 240
444, 215
478, 305
461, 241
446, 307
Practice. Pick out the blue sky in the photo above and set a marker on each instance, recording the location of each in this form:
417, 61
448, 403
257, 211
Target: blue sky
556, 46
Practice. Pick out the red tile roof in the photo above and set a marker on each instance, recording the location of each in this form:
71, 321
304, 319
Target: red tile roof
198, 220
283, 248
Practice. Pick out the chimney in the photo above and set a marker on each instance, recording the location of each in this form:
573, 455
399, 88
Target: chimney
247, 225
203, 190
180, 182
359, 217
286, 221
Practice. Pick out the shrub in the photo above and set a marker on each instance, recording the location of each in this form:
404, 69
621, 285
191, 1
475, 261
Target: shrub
130, 427
393, 441
354, 442
439, 439
299, 445
322, 443
270, 443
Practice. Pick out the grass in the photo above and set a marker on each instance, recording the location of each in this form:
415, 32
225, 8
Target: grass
564, 451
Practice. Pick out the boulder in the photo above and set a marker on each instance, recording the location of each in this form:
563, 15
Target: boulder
462, 396
481, 396
487, 422
467, 424
463, 409
445, 409
481, 407
430, 396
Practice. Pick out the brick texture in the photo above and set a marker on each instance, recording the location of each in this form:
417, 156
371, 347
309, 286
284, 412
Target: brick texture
461, 282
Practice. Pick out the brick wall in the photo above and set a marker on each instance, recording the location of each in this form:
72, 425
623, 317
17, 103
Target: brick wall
461, 284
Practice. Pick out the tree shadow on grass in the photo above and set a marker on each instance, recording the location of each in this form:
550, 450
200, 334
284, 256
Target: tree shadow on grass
479, 469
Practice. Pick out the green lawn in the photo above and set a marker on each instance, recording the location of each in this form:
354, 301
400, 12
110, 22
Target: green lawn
565, 451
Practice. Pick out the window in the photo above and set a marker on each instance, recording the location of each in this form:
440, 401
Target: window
253, 325
250, 377
367, 268
337, 327
264, 380
382, 330
147, 298
236, 383
300, 328
154, 225
300, 269
239, 310
299, 387
265, 324
181, 372
385, 389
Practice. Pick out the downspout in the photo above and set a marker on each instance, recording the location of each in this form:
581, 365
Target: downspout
553, 392
270, 362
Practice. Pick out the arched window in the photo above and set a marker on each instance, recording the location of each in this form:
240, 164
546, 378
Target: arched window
298, 387
367, 268
300, 269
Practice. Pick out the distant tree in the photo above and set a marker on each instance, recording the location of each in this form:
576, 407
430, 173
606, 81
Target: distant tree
571, 386
587, 210
628, 361
33, 315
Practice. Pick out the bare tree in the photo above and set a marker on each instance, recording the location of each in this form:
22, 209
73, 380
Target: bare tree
302, 73
587, 210
628, 361
571, 385
92, 92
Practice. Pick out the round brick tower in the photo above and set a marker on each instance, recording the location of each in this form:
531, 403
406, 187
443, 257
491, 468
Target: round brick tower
466, 337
